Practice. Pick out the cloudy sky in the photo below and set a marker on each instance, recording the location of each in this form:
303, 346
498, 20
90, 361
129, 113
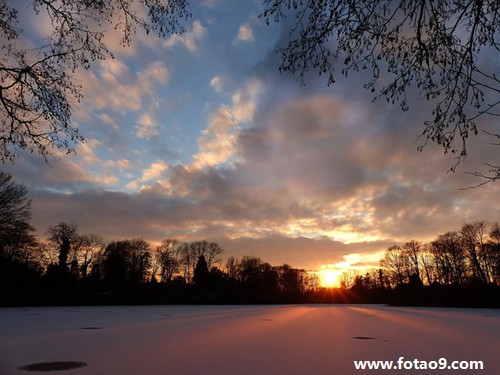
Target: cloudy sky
199, 136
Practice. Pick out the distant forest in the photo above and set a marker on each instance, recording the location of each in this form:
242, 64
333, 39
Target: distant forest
458, 268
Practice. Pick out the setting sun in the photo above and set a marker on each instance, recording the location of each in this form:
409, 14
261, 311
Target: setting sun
329, 278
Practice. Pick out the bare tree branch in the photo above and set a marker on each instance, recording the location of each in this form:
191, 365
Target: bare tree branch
37, 90
433, 45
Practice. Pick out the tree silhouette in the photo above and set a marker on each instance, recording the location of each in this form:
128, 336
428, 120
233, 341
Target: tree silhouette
15, 213
201, 272
87, 249
126, 263
211, 251
449, 258
166, 260
63, 235
19, 270
395, 260
473, 237
435, 46
36, 83
189, 253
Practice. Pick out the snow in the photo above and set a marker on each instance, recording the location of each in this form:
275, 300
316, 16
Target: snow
283, 339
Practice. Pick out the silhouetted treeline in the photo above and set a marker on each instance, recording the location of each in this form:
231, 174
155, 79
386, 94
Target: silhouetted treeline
460, 268
81, 269
470, 256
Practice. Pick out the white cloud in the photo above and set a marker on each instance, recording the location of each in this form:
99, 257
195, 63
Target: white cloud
217, 83
217, 141
86, 152
154, 171
156, 72
111, 85
109, 120
113, 69
189, 38
120, 163
147, 127
245, 100
245, 33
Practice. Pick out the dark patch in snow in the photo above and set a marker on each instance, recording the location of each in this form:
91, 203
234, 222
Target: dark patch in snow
53, 366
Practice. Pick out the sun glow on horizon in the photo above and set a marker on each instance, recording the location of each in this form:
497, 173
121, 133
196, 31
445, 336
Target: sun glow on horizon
334, 274
329, 278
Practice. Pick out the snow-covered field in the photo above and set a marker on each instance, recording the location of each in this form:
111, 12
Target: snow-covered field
286, 339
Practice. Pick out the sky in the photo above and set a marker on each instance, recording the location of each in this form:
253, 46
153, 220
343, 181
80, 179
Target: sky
199, 136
